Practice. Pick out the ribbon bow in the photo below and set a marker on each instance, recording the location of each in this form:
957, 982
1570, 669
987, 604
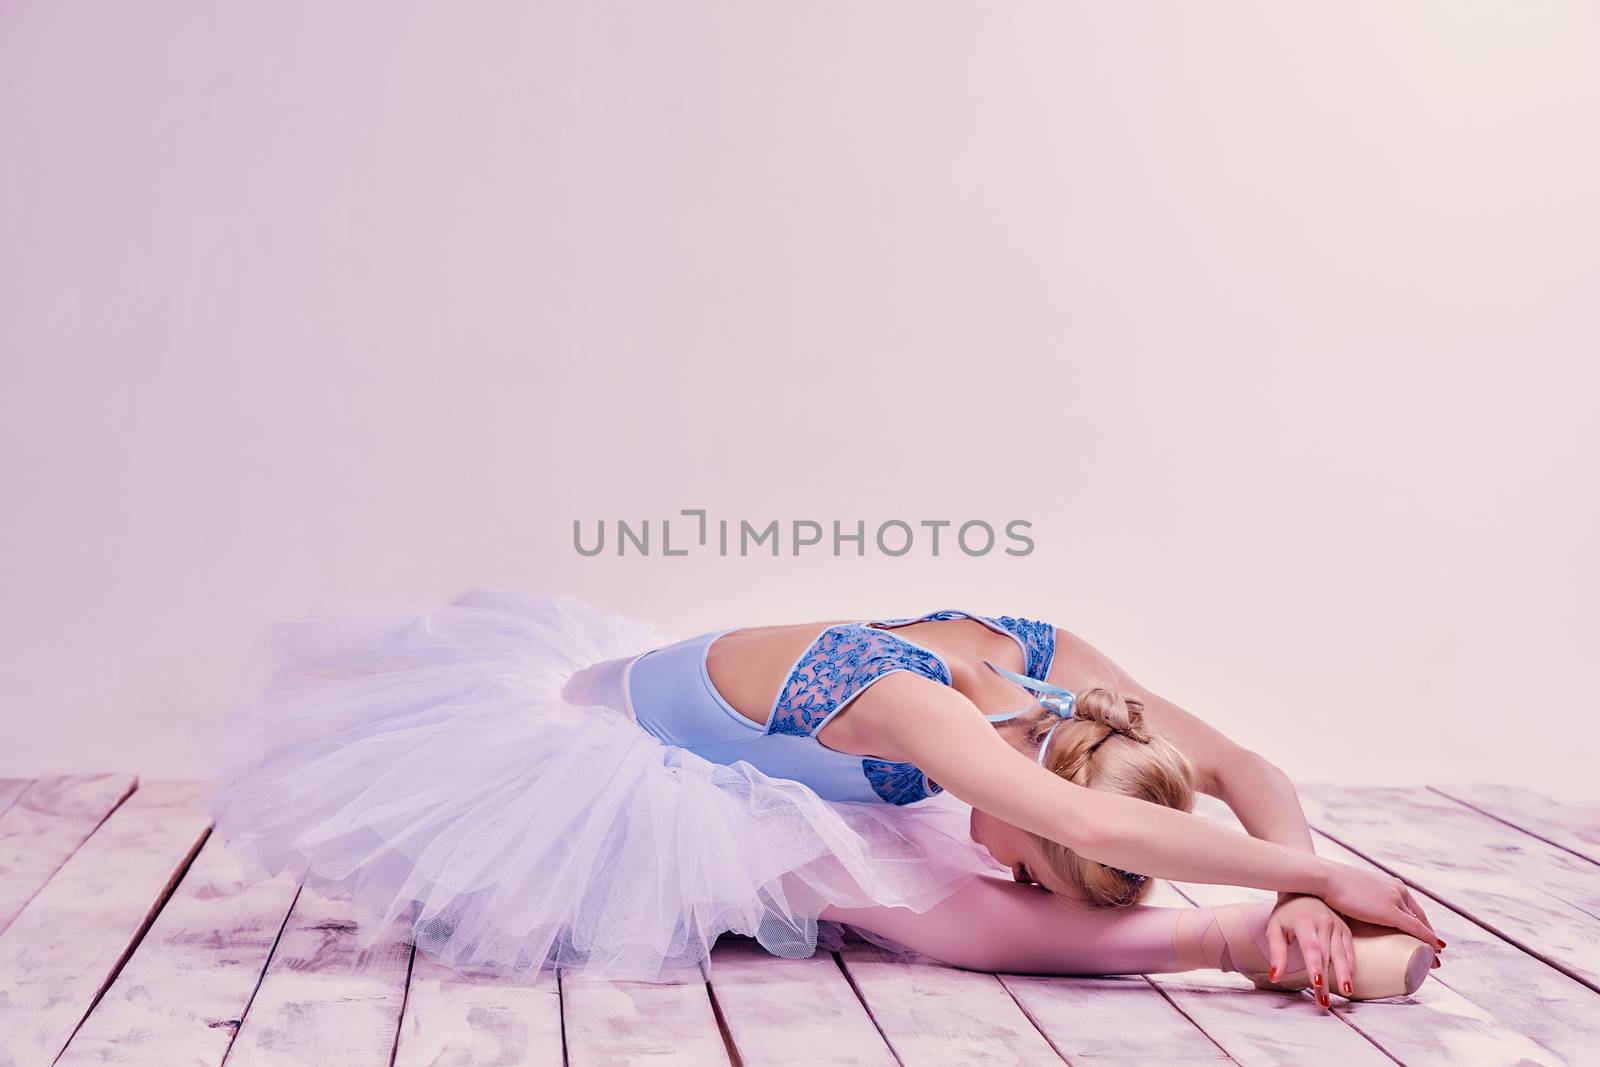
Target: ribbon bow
1055, 699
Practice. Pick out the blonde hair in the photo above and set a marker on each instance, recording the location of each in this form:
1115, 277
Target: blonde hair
1106, 745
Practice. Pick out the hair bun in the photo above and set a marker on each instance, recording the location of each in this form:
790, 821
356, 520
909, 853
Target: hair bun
1106, 707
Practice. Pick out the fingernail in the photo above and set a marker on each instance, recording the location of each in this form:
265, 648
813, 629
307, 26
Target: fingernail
1325, 1001
1273, 974
1347, 989
1318, 979
1441, 944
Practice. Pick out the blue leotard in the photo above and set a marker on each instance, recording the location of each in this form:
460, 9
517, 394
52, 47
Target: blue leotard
669, 692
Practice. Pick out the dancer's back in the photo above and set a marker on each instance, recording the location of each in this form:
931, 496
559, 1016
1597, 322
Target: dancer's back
772, 696
748, 666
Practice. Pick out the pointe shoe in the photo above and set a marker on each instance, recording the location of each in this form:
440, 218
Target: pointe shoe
1388, 963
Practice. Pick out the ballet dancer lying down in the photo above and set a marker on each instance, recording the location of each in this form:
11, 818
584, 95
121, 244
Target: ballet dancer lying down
533, 783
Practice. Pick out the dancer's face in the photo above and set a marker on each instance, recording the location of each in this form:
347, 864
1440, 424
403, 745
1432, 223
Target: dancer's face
1014, 847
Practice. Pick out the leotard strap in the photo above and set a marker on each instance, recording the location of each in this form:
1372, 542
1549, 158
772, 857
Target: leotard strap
1054, 699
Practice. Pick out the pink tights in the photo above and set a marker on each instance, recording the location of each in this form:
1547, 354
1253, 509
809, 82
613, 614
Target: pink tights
994, 925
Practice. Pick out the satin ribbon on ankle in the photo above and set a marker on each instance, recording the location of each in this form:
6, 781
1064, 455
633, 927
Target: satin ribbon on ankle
1224, 942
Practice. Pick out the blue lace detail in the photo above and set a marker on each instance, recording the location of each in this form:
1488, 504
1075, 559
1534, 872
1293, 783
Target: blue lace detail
840, 663
1038, 638
847, 658
898, 783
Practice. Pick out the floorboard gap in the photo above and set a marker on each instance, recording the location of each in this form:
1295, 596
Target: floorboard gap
867, 1007
561, 1003
722, 1027
1164, 995
1462, 911
139, 934
1028, 1015
266, 963
405, 999
132, 789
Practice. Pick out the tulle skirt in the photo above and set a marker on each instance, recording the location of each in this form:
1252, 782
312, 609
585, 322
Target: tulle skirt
420, 761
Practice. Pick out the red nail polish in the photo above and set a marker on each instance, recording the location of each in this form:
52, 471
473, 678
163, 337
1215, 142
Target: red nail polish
1347, 989
1441, 944
1318, 979
1273, 974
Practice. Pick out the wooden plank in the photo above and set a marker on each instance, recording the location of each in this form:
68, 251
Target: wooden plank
1112, 1021
460, 1018
792, 1013
46, 824
10, 790
1256, 1027
933, 1015
613, 1024
1435, 1025
1522, 992
326, 999
181, 995
1493, 978
1269, 1030
1576, 829
67, 944
1452, 1031
1499, 981
1540, 897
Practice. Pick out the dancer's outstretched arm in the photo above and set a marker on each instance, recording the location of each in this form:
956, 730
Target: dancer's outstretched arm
1255, 789
1260, 794
907, 717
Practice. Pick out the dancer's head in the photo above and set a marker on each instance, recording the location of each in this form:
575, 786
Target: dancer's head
1107, 745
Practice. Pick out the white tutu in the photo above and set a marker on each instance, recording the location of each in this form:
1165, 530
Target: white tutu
421, 761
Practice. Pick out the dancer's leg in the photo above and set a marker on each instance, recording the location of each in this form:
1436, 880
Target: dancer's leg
994, 925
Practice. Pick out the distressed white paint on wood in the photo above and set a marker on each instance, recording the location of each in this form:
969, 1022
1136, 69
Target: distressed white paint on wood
46, 824
180, 997
1484, 978
1521, 887
466, 1019
1447, 1031
614, 1024
1492, 1002
64, 947
1256, 1027
792, 1013
1113, 1021
325, 1000
1434, 1026
10, 790
1576, 829
1267, 1029
933, 1015
1518, 990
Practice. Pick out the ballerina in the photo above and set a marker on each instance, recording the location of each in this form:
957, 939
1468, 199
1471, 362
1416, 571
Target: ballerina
533, 783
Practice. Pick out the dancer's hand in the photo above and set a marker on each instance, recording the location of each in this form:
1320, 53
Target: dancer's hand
1325, 943
1377, 898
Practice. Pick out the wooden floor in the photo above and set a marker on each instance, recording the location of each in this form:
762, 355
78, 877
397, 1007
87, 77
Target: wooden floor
128, 936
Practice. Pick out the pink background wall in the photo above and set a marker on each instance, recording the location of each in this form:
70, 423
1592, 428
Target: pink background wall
1277, 320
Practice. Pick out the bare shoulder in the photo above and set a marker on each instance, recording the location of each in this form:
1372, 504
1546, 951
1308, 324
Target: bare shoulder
1211, 750
1078, 662
891, 710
